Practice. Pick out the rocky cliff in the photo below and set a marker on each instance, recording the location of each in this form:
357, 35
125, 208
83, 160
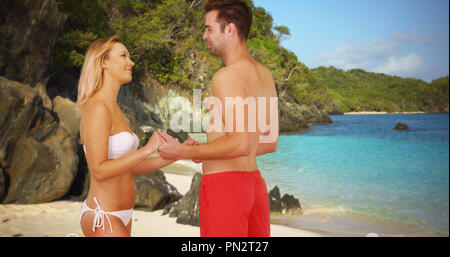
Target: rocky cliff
28, 31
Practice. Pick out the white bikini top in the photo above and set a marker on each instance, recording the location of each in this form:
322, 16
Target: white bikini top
121, 144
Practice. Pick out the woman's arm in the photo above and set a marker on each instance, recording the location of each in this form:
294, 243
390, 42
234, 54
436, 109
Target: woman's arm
153, 164
150, 165
97, 124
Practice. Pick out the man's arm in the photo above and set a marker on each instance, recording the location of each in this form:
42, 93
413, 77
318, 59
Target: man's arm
156, 163
223, 148
233, 144
264, 148
268, 142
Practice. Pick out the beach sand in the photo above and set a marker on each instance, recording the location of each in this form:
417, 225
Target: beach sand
60, 218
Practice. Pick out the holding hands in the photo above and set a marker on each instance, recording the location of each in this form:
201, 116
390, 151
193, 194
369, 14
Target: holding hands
170, 148
153, 143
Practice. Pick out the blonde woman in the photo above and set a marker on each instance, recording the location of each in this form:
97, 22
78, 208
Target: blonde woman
111, 147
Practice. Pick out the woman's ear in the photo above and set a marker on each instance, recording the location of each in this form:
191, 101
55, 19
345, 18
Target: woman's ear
104, 65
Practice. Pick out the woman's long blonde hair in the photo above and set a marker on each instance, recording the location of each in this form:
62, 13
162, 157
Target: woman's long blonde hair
91, 77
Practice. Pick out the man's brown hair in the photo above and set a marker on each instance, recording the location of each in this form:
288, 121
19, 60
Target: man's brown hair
232, 11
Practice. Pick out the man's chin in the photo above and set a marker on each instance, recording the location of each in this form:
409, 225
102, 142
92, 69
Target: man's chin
213, 52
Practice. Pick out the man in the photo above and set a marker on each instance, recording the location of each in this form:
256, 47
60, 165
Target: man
233, 196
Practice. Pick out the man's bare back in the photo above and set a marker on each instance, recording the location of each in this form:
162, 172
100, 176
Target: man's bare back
244, 78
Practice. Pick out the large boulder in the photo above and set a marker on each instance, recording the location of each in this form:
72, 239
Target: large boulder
28, 31
290, 204
37, 148
275, 200
18, 107
41, 172
287, 204
68, 115
401, 126
153, 192
3, 185
187, 210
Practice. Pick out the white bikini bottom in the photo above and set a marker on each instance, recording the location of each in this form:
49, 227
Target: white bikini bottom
99, 218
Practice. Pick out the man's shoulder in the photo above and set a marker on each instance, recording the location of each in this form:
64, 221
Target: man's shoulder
226, 75
236, 70
227, 81
223, 73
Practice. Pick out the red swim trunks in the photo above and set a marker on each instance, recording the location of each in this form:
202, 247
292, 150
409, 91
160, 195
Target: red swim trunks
234, 203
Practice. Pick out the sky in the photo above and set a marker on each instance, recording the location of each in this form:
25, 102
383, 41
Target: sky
406, 38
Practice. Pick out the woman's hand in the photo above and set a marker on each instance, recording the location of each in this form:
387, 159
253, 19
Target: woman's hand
154, 143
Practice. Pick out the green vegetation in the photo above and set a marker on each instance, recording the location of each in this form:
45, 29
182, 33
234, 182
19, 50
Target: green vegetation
357, 90
165, 41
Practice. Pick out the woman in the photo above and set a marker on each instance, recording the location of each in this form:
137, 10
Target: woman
111, 147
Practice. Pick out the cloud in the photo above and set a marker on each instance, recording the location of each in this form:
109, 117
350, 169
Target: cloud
402, 66
413, 36
385, 55
350, 56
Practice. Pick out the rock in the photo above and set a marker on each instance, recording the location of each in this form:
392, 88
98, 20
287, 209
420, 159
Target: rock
18, 109
316, 115
129, 116
287, 204
3, 184
296, 117
168, 208
334, 109
68, 115
31, 164
69, 119
275, 200
181, 136
141, 101
153, 192
290, 204
28, 31
187, 210
38, 155
42, 172
46, 102
401, 126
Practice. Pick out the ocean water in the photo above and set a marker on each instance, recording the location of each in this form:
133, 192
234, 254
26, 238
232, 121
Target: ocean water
360, 164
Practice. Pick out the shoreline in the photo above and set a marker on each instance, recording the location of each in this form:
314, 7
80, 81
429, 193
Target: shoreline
364, 113
60, 218
335, 223
183, 168
322, 220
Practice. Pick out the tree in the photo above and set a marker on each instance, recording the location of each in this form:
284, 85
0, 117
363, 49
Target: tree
282, 30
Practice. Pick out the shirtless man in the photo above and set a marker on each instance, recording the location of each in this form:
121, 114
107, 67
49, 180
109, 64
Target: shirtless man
233, 196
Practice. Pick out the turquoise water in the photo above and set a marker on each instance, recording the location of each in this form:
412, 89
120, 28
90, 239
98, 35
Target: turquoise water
360, 164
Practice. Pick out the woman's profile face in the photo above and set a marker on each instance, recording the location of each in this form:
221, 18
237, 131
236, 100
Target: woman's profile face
118, 65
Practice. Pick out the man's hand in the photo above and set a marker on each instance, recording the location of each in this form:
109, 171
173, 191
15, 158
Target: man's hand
171, 149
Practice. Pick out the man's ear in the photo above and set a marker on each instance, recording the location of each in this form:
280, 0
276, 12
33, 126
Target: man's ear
231, 29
